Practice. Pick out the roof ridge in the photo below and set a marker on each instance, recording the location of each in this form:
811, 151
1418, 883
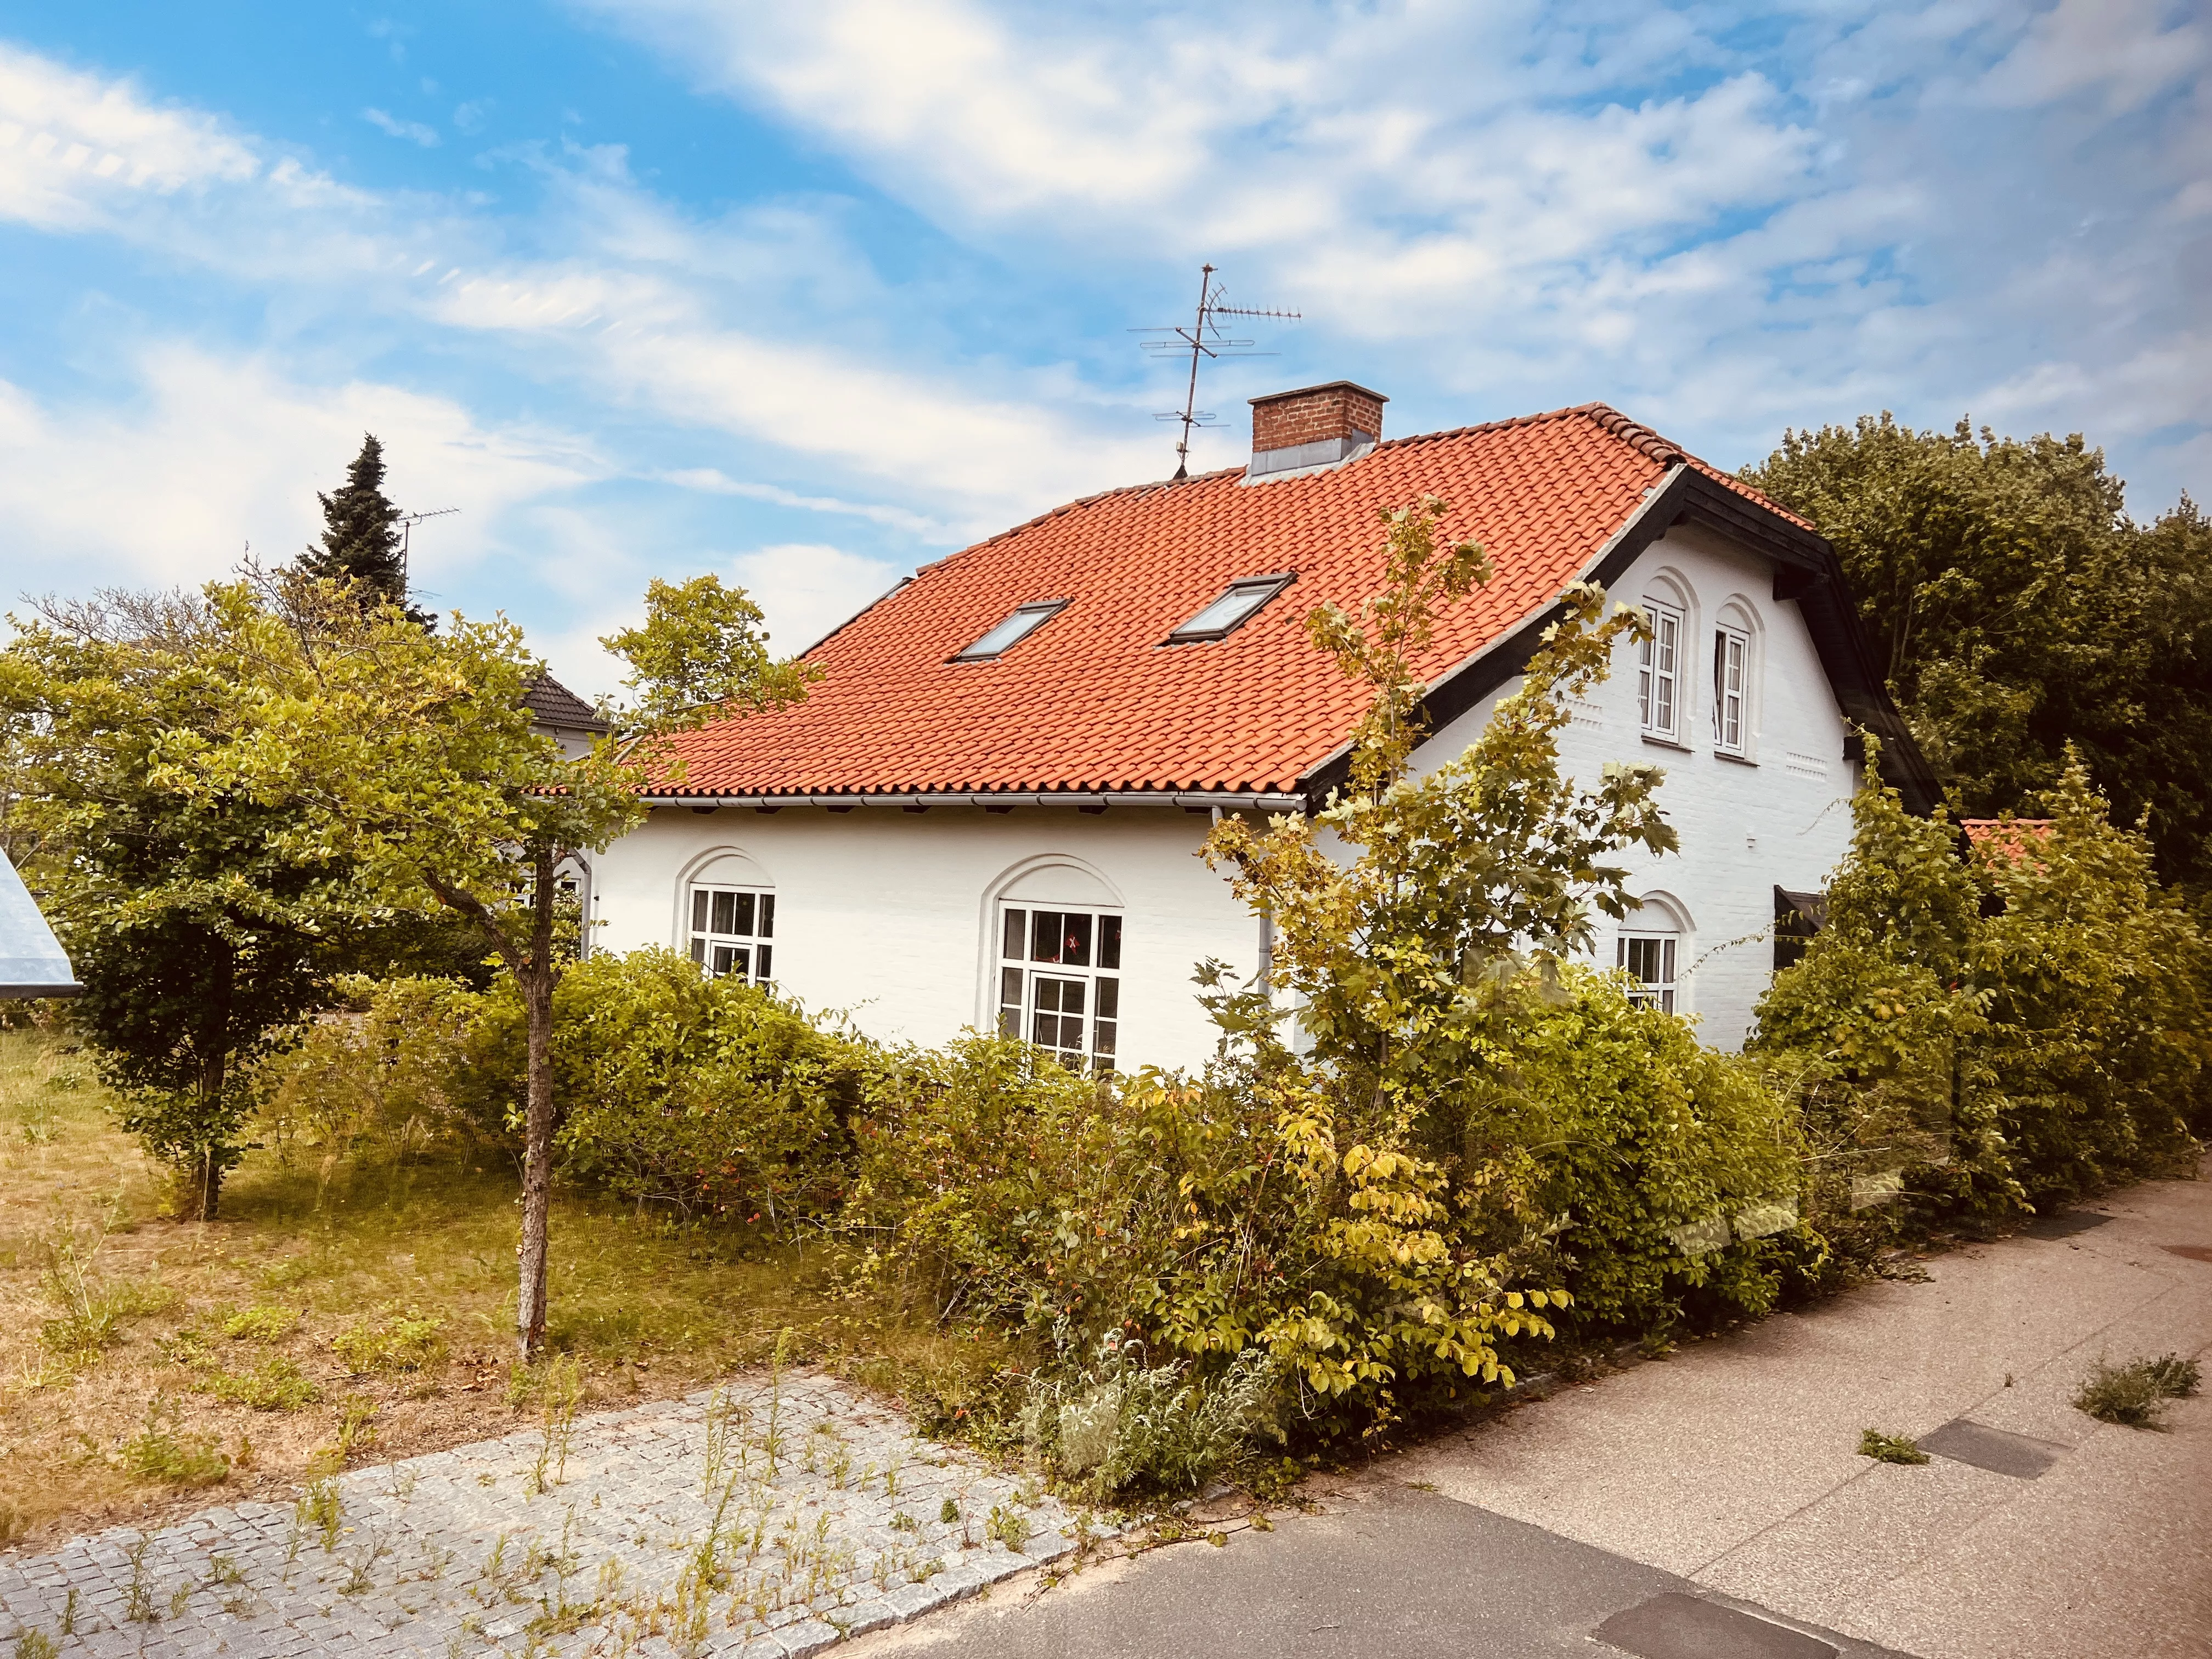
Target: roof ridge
1663, 450
1648, 441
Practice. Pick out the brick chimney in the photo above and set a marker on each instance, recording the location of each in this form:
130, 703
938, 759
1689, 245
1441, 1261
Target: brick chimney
1317, 426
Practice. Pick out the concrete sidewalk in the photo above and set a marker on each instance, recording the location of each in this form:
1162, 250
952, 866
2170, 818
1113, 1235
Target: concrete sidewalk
1734, 1464
1728, 1476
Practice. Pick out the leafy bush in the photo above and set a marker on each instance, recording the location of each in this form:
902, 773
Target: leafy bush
710, 1095
2095, 1032
1639, 1154
1117, 1422
1199, 1217
405, 1064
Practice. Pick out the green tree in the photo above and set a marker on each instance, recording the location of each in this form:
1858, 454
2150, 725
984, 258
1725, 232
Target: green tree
2007, 1029
362, 536
2016, 608
1873, 1032
699, 655
1458, 873
409, 757
2095, 1028
201, 925
1409, 962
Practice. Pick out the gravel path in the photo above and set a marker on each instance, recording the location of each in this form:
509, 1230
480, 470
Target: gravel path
768, 1519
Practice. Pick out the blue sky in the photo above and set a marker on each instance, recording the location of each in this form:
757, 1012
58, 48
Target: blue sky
809, 294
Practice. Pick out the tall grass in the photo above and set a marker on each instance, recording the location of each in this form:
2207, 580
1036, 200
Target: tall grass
232, 1328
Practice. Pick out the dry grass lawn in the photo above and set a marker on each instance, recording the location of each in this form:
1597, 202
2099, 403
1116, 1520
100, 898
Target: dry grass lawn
149, 1367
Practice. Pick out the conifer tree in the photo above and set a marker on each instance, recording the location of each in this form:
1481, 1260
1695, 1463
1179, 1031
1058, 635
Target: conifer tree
361, 534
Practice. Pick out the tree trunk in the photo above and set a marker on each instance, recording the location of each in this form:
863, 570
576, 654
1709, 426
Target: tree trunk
535, 978
202, 1182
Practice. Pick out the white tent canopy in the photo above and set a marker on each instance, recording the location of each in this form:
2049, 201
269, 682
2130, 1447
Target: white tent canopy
31, 961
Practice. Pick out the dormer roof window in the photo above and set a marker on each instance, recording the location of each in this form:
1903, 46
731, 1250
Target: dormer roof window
1025, 620
1238, 605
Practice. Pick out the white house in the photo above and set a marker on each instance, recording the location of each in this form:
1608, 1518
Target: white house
988, 811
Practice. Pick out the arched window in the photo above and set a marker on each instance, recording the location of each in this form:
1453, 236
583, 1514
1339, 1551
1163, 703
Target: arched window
1735, 666
729, 919
1650, 948
1662, 675
1059, 939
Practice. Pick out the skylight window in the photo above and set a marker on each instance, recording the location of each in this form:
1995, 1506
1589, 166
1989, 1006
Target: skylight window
1232, 610
1025, 620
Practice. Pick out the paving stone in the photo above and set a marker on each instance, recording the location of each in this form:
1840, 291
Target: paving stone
425, 1531
809, 1636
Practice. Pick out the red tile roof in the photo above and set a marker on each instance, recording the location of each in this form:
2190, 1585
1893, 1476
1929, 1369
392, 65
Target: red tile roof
1093, 702
2005, 837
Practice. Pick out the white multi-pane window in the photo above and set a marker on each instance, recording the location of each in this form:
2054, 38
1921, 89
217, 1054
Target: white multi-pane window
1658, 674
1650, 960
1060, 983
733, 932
1731, 671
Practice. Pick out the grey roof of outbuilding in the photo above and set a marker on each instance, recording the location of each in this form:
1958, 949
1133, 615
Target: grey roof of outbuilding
556, 705
31, 961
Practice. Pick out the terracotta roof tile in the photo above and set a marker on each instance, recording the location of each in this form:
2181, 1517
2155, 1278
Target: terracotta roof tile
1093, 700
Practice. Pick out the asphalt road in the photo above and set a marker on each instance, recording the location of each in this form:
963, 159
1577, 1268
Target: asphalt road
1387, 1570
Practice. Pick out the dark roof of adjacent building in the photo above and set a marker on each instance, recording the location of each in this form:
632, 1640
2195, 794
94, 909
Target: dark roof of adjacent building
556, 706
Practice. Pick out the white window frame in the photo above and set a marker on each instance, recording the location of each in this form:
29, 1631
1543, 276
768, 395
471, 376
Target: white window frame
1649, 957
1036, 964
1731, 690
1659, 673
747, 953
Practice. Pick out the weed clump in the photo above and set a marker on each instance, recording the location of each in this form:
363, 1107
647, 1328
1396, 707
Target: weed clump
158, 1452
1119, 1422
260, 1324
2135, 1395
408, 1342
275, 1385
1889, 1448
89, 1312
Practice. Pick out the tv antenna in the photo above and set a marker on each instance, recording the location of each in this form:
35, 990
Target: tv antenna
1203, 338
407, 522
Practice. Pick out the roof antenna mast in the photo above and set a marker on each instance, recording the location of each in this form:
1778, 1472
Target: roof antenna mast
1203, 338
407, 521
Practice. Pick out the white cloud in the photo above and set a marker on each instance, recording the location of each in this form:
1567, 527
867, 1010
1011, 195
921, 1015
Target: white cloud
414, 131
1535, 204
70, 143
807, 588
804, 588
715, 482
637, 312
217, 453
2123, 48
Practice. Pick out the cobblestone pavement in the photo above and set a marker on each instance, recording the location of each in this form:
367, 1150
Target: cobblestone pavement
768, 1519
